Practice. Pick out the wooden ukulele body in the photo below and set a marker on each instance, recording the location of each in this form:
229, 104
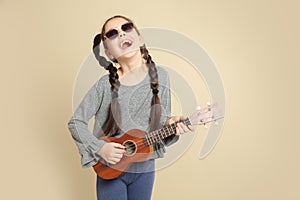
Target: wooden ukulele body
136, 151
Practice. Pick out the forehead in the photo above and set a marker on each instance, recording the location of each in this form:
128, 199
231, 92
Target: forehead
115, 22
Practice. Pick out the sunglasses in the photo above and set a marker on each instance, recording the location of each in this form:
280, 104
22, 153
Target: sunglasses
113, 33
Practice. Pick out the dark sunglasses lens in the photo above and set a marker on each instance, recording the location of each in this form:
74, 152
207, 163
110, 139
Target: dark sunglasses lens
111, 34
127, 27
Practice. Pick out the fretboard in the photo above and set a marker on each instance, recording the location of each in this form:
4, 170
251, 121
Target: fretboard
166, 131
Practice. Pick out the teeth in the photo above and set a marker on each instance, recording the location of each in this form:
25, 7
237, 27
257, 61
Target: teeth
125, 41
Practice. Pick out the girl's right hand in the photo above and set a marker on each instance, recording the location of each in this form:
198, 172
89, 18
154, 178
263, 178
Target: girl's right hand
112, 152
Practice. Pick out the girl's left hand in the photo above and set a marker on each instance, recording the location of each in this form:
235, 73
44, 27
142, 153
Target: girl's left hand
181, 128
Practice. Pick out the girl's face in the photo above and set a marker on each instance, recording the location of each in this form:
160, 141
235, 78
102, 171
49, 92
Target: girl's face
121, 39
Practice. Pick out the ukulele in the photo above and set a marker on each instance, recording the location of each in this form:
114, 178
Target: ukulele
139, 144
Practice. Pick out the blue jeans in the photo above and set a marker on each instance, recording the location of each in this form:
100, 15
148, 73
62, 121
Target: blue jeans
129, 186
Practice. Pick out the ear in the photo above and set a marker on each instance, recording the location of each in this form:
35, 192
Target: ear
109, 55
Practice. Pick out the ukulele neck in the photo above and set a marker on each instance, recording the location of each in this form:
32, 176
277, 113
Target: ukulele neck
166, 131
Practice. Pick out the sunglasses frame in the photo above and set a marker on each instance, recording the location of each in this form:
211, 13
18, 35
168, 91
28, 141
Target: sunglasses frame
113, 33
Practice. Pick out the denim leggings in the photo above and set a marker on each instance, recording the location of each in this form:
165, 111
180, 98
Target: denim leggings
129, 186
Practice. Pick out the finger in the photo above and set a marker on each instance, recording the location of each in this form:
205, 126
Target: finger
185, 128
119, 151
191, 128
177, 118
182, 118
173, 120
179, 126
117, 156
114, 160
111, 162
117, 145
177, 131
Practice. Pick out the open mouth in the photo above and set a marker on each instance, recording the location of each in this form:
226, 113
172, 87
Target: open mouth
125, 44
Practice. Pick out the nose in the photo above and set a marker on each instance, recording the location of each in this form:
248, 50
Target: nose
121, 33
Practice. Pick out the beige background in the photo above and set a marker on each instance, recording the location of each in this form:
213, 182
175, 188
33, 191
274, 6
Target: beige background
255, 45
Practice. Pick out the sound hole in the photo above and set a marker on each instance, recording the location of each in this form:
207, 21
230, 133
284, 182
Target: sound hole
130, 147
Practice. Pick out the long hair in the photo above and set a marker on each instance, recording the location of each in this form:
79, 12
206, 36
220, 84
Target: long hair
112, 125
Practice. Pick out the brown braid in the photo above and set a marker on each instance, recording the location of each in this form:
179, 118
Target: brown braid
112, 124
155, 112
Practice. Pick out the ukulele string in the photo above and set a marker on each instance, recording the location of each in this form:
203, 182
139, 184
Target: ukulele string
152, 136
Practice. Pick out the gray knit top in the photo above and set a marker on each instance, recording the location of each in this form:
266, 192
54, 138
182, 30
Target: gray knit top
135, 103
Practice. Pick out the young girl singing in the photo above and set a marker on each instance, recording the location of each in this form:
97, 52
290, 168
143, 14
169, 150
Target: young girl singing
134, 95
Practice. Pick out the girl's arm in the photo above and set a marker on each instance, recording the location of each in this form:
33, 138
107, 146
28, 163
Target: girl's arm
86, 142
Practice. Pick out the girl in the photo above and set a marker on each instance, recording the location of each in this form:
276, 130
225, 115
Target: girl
135, 95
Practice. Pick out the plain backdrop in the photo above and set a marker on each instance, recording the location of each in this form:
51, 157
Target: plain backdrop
255, 46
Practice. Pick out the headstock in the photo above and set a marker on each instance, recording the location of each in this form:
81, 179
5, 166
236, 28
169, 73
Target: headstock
206, 115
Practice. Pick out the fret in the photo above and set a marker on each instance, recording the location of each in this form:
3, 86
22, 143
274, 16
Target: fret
160, 137
187, 122
154, 136
173, 128
160, 134
148, 136
169, 132
147, 140
157, 135
151, 137
165, 131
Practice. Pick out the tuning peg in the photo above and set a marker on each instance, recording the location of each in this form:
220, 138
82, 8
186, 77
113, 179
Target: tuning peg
205, 126
198, 108
208, 103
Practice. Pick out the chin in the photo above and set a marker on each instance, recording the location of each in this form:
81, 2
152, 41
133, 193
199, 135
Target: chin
129, 54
